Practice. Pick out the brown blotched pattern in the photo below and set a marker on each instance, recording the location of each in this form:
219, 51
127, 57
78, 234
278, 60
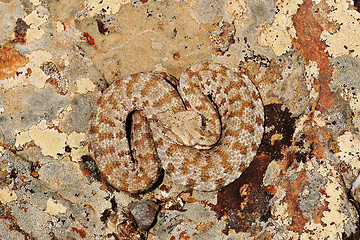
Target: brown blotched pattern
238, 107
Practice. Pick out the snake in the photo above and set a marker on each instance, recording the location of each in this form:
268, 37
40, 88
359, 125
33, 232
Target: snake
203, 129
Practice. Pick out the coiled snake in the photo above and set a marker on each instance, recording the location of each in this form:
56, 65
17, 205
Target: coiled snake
203, 139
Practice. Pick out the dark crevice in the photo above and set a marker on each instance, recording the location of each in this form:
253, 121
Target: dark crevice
128, 125
357, 5
356, 204
218, 114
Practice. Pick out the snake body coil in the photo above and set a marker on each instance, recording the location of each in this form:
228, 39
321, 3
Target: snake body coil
203, 139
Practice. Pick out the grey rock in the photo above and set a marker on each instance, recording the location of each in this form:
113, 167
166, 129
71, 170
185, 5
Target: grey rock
144, 213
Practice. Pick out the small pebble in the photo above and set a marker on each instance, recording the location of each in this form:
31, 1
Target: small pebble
144, 213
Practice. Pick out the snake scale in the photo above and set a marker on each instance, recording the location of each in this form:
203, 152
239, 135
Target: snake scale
203, 129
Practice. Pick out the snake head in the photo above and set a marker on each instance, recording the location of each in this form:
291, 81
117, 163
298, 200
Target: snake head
187, 128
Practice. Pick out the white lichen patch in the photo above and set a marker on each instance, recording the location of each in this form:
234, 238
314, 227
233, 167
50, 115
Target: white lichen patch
60, 27
76, 142
349, 148
279, 207
300, 124
356, 120
236, 8
7, 195
2, 150
52, 142
36, 20
22, 138
353, 99
318, 119
64, 60
279, 34
31, 73
345, 39
94, 7
336, 212
336, 218
311, 73
35, 2
349, 154
53, 207
84, 85
355, 103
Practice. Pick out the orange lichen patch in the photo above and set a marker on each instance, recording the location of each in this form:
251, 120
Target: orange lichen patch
273, 72
87, 38
308, 43
35, 174
319, 212
10, 62
82, 233
291, 198
322, 7
335, 147
183, 235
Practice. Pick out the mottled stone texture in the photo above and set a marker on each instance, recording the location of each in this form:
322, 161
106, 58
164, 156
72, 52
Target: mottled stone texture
56, 58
